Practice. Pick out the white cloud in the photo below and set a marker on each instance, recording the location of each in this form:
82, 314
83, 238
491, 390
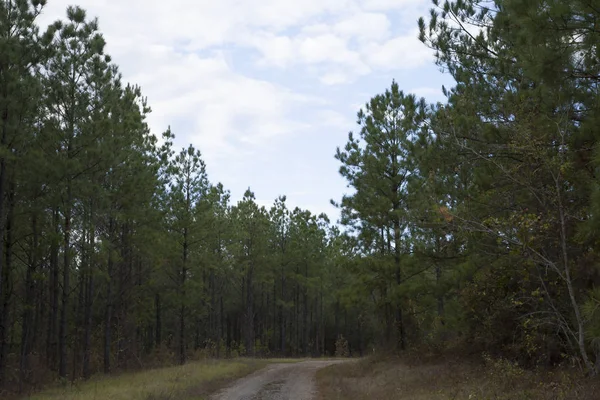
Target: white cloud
218, 104
203, 23
335, 119
324, 48
360, 43
402, 52
364, 26
276, 50
386, 5
352, 34
181, 52
335, 78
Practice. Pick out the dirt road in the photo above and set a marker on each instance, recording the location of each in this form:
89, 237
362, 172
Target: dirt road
289, 381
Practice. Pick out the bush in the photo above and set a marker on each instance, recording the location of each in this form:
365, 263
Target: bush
341, 347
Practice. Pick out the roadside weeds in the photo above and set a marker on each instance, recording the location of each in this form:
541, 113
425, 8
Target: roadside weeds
193, 381
393, 378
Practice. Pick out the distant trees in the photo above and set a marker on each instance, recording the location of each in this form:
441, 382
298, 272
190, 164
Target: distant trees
188, 189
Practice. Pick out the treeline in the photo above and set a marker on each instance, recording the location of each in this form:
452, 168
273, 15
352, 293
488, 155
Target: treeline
477, 219
117, 252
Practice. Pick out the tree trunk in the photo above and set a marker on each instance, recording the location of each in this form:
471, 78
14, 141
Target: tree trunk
250, 312
322, 323
158, 327
51, 342
306, 328
213, 313
591, 368
197, 334
220, 327
87, 337
28, 306
3, 179
297, 316
109, 300
78, 316
440, 296
336, 319
359, 332
88, 303
182, 355
281, 316
7, 247
401, 345
3, 222
438, 281
40, 302
276, 323
63, 332
228, 339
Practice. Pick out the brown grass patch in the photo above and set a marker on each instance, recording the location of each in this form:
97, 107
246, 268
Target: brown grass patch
386, 379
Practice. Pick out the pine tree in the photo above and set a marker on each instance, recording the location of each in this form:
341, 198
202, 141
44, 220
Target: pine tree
378, 166
189, 185
251, 241
280, 223
520, 118
218, 232
76, 49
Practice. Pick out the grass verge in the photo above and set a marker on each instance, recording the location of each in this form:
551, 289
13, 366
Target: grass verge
298, 360
193, 381
388, 379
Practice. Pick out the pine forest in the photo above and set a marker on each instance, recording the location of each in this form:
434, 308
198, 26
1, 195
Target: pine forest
470, 223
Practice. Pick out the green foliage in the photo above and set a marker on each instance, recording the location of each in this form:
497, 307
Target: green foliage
591, 313
515, 140
486, 202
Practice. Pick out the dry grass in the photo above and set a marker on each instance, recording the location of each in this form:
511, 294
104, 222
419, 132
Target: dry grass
297, 360
192, 381
388, 379
287, 360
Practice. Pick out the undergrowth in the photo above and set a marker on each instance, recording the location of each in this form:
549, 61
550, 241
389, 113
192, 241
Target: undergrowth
388, 378
193, 381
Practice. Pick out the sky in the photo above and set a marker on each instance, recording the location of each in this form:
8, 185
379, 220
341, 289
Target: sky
265, 89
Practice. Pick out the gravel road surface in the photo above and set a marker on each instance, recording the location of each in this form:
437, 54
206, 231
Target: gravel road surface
288, 381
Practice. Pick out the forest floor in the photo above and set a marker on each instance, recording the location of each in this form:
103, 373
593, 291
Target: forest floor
388, 379
193, 381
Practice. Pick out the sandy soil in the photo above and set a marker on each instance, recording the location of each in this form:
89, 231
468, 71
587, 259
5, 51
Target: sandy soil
293, 381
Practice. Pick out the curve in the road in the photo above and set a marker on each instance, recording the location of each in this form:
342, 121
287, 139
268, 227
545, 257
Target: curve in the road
290, 381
